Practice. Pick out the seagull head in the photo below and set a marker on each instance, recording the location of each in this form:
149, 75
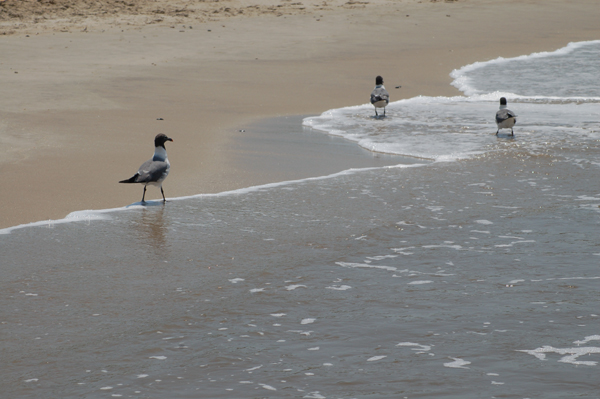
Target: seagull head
378, 80
161, 139
502, 101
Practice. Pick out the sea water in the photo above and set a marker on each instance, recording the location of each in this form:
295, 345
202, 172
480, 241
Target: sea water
472, 272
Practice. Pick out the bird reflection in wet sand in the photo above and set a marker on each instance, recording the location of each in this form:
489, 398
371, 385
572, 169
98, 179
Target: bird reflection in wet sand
152, 227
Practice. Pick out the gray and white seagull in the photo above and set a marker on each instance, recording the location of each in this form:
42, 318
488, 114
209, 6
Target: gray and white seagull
505, 118
380, 98
154, 171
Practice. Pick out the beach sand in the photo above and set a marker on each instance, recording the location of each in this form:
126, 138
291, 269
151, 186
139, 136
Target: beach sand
87, 85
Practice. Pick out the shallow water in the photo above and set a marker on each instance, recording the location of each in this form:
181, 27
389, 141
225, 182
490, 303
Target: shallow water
475, 277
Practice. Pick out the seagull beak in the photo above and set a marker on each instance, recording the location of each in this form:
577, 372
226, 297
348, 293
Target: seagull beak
169, 139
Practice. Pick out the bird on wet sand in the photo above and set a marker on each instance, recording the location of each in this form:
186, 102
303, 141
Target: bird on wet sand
155, 170
505, 118
379, 96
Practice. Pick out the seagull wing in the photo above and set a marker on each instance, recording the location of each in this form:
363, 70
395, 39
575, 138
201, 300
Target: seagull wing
504, 114
152, 171
379, 94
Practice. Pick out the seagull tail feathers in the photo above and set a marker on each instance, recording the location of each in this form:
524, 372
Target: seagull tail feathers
130, 180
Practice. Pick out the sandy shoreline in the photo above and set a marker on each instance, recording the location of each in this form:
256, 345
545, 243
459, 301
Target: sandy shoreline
82, 94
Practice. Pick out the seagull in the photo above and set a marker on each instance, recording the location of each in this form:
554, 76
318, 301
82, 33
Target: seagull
154, 171
379, 96
505, 118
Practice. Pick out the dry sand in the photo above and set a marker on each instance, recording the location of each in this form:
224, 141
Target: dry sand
84, 82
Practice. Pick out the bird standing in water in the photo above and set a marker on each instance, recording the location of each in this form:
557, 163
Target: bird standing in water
379, 96
154, 171
505, 118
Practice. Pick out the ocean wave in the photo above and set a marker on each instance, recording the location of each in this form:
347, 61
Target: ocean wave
465, 81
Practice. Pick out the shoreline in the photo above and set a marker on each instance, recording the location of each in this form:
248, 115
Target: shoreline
328, 156
87, 119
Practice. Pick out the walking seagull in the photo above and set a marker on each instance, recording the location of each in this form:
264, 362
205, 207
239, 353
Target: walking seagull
505, 118
379, 96
154, 171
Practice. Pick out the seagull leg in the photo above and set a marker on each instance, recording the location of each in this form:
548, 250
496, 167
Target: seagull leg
512, 133
376, 114
497, 131
144, 196
163, 194
384, 112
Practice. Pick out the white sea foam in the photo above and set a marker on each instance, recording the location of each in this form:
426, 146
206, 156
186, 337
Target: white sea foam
339, 287
78, 216
301, 332
315, 395
587, 339
294, 286
513, 243
408, 130
381, 257
416, 346
365, 265
483, 221
571, 354
457, 247
458, 363
420, 282
268, 387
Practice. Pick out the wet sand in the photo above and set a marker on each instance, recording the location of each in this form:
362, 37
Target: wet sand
277, 144
82, 95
